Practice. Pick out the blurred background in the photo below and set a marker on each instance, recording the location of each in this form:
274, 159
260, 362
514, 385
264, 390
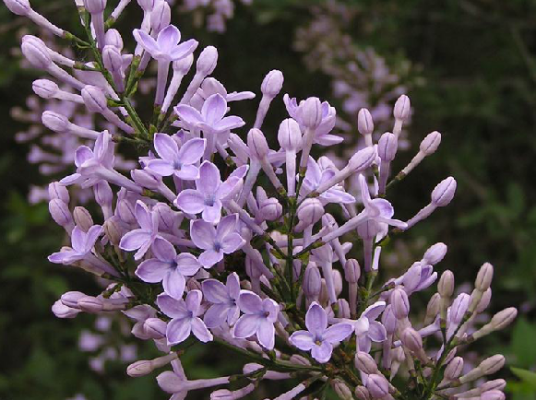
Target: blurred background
469, 68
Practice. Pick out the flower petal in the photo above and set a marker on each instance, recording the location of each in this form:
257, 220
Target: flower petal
174, 284
172, 307
215, 315
152, 271
203, 234
166, 147
187, 264
163, 250
183, 49
188, 114
209, 179
210, 257
168, 38
146, 41
266, 334
192, 150
338, 332
134, 240
188, 173
322, 353
249, 302
377, 332
215, 291
190, 201
246, 326
303, 340
316, 319
212, 213
200, 330
214, 109
178, 330
232, 243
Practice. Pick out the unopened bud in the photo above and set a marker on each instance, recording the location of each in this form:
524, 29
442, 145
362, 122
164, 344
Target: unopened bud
35, 51
160, 16
402, 108
492, 395
430, 143
310, 211
444, 192
365, 363
60, 310
113, 38
412, 340
343, 310
94, 99
140, 368
257, 144
45, 88
289, 135
492, 364
352, 271
454, 369
112, 230
145, 179
365, 124
362, 159
342, 390
18, 7
378, 386
362, 393
70, 299
55, 122
95, 6
312, 281
445, 287
58, 191
435, 253
503, 318
399, 303
59, 211
272, 83
484, 277
184, 64
82, 218
387, 147
112, 59
310, 112
91, 304
271, 209
207, 60
432, 310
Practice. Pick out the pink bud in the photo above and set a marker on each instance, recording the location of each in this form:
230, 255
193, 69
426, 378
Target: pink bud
35, 51
378, 386
492, 364
82, 218
400, 303
271, 209
435, 253
113, 38
503, 318
140, 368
362, 159
94, 99
484, 277
59, 211
365, 363
112, 230
257, 144
310, 112
352, 271
387, 147
289, 135
454, 369
445, 287
272, 83
18, 7
444, 192
55, 122
58, 191
430, 143
45, 88
95, 6
312, 282
484, 301
412, 340
402, 108
206, 63
493, 395
160, 16
362, 393
365, 124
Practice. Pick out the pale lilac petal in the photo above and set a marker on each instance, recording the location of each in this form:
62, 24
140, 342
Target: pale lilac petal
188, 173
174, 284
335, 195
266, 334
377, 332
233, 285
328, 140
82, 154
163, 250
249, 302
364, 190
246, 326
200, 330
152, 271
229, 123
313, 173
78, 238
209, 178
161, 167
91, 236
316, 319
71, 179
166, 147
140, 313
192, 151
190, 201
385, 208
215, 315
232, 243
203, 234
188, 114
364, 344
187, 264
214, 109
271, 308
168, 38
173, 308
227, 187
146, 41
212, 213
178, 330
374, 310
303, 340
227, 226
193, 300
338, 332
322, 353
215, 291
143, 215
62, 257
183, 49
232, 315
134, 240
210, 257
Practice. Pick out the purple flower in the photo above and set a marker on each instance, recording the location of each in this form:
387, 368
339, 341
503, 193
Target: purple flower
212, 116
318, 338
216, 241
258, 319
368, 330
174, 161
141, 239
223, 299
207, 198
315, 176
168, 268
82, 244
166, 47
184, 316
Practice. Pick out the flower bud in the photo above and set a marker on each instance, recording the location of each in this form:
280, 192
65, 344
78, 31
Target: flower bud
300, 360
184, 64
454, 369
271, 209
70, 299
496, 384
35, 51
45, 88
310, 211
59, 211
484, 301
310, 112
484, 277
444, 192
362, 159
113, 38
503, 318
412, 277
445, 287
378, 386
147, 5
387, 147
57, 191
343, 309
435, 253
103, 193
112, 59
272, 83
493, 395
91, 304
337, 281
125, 211
312, 282
155, 328
365, 363
432, 310
430, 143
492, 364
94, 99
144, 179
352, 271
18, 7
399, 303
82, 218
207, 60
342, 390
140, 368
362, 393
412, 340
55, 122
289, 135
258, 147
60, 310
402, 108
365, 124
112, 230
389, 319
160, 16
95, 6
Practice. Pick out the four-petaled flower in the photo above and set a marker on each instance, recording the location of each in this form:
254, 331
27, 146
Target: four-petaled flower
316, 175
185, 317
212, 115
82, 244
367, 330
216, 241
258, 319
168, 267
181, 162
141, 239
318, 338
166, 47
207, 198
223, 299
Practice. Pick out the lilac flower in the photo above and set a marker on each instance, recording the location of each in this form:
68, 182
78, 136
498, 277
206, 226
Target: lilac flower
318, 338
207, 198
185, 317
168, 268
166, 47
216, 241
141, 239
315, 176
212, 116
82, 244
140, 314
223, 299
368, 330
258, 319
181, 162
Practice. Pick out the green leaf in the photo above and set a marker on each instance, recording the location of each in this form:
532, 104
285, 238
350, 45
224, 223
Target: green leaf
526, 376
523, 333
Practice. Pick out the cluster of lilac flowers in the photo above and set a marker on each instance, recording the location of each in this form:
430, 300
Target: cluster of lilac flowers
217, 237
